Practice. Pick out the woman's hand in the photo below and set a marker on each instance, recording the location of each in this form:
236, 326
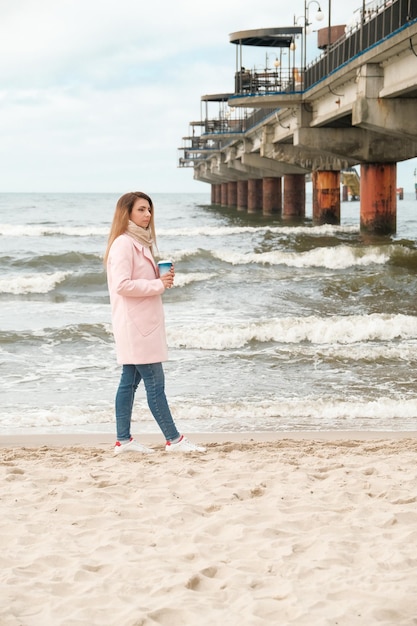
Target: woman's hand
168, 278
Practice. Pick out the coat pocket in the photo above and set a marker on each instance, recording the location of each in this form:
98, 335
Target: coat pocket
145, 315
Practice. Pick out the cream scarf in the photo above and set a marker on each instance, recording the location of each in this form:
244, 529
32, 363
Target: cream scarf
143, 236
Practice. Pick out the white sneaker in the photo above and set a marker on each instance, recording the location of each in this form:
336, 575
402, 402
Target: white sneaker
131, 446
183, 445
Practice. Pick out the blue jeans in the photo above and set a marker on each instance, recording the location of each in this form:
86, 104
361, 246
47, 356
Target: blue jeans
153, 377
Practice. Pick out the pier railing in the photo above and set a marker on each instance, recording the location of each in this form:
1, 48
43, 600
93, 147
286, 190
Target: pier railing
231, 125
385, 18
380, 22
268, 81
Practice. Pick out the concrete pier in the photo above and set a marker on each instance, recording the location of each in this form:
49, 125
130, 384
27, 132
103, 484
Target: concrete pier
355, 107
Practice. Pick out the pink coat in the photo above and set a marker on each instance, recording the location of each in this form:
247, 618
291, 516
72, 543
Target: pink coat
136, 303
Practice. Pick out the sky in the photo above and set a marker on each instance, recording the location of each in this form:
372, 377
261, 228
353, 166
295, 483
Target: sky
96, 96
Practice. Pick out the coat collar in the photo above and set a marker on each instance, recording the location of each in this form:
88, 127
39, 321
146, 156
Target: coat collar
146, 251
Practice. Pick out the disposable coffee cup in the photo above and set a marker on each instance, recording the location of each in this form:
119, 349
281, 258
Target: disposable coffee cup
164, 267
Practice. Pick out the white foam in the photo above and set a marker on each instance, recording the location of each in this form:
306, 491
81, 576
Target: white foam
193, 277
18, 284
39, 230
278, 413
294, 330
337, 257
220, 231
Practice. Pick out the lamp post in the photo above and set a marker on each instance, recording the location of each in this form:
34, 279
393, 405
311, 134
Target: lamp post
329, 36
319, 16
362, 23
278, 65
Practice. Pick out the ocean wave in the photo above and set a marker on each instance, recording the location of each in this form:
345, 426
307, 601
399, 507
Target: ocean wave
366, 353
335, 257
327, 332
18, 284
403, 256
60, 260
295, 330
47, 282
45, 230
366, 338
84, 332
221, 231
278, 414
70, 262
306, 413
192, 277
86, 282
42, 230
82, 282
74, 334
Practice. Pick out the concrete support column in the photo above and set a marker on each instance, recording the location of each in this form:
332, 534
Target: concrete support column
271, 195
294, 206
232, 193
378, 198
254, 195
345, 193
223, 200
242, 195
326, 197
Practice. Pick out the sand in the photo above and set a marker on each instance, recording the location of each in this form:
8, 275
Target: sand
295, 529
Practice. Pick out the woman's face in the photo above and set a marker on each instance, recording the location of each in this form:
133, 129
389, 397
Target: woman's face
141, 213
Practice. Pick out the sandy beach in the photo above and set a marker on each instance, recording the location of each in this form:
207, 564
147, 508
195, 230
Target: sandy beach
289, 529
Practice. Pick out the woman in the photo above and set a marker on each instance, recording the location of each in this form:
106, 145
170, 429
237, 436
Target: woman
135, 288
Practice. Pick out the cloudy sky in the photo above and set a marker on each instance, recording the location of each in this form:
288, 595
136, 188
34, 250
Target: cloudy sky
97, 95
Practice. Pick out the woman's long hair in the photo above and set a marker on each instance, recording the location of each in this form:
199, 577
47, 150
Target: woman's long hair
122, 215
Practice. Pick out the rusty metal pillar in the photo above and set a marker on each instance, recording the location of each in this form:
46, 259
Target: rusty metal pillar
345, 193
294, 206
271, 195
326, 197
223, 201
378, 198
254, 195
232, 193
217, 193
242, 195
213, 195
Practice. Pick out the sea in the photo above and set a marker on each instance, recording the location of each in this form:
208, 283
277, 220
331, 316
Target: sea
271, 326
